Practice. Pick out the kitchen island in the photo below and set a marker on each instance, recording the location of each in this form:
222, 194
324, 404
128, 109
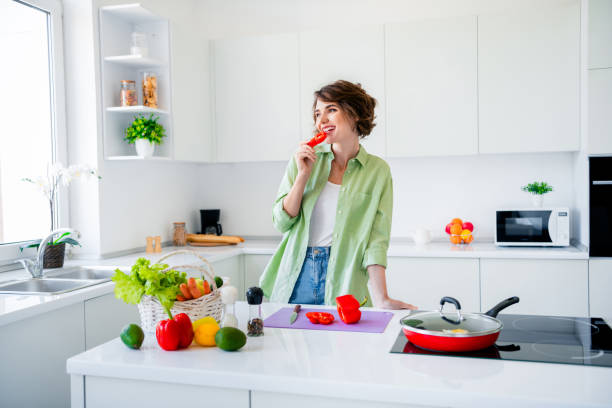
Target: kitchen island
300, 368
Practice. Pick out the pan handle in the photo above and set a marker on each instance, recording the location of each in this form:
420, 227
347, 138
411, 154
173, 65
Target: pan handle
502, 305
455, 302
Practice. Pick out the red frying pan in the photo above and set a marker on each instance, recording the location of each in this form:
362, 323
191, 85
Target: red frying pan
441, 331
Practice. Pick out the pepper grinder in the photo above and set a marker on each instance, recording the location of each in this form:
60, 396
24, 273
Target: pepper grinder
254, 298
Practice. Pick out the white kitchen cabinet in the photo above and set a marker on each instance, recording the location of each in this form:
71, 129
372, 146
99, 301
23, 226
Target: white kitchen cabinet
264, 399
424, 281
431, 77
357, 55
191, 94
600, 33
257, 98
600, 111
105, 316
600, 283
529, 80
117, 23
254, 266
545, 287
233, 269
34, 354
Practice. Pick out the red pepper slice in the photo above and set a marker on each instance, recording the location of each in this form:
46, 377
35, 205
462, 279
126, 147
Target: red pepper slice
320, 317
318, 138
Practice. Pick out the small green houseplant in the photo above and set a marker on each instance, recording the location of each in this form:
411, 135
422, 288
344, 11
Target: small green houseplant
145, 133
537, 189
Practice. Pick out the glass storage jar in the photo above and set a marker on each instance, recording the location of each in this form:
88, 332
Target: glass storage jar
180, 236
149, 89
127, 96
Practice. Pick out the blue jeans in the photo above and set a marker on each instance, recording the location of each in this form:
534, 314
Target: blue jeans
310, 286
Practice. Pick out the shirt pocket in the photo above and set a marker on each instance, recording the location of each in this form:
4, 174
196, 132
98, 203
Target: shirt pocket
362, 210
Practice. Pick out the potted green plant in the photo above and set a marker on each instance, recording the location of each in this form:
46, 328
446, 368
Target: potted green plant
537, 190
145, 133
55, 250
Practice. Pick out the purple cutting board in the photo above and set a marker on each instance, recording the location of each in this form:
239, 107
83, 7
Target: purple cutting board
371, 321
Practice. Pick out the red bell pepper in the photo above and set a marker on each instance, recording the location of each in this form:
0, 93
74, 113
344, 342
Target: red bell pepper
168, 333
318, 138
320, 317
174, 333
348, 308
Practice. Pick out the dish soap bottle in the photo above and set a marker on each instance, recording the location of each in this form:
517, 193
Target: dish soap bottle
254, 298
229, 295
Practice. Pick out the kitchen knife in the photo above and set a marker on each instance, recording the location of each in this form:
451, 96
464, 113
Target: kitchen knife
293, 316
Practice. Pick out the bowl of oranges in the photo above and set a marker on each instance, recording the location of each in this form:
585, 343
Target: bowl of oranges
460, 232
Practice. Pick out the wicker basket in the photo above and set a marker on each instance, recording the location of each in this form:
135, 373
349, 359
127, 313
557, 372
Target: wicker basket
152, 312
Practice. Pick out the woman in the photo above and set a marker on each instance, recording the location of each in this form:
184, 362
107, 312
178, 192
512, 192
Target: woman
334, 209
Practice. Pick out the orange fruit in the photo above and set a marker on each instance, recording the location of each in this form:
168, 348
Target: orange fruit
456, 221
468, 239
456, 229
455, 239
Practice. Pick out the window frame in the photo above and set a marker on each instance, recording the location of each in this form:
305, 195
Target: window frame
10, 251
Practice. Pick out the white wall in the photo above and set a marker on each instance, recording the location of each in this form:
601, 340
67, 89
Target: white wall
428, 192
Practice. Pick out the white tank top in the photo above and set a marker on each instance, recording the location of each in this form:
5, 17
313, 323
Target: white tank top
323, 216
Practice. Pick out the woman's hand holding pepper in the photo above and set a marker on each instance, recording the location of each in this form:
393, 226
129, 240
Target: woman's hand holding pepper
305, 158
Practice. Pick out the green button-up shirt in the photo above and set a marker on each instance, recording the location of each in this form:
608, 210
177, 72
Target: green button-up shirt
361, 231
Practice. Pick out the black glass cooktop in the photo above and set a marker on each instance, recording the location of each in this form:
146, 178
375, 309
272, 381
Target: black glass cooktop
547, 339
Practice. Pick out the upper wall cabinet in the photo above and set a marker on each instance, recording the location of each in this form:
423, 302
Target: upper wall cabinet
600, 111
191, 95
120, 62
355, 55
257, 98
600, 34
528, 81
431, 87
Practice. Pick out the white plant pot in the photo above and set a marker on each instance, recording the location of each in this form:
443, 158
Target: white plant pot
537, 200
144, 148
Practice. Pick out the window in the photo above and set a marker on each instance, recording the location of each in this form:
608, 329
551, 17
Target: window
32, 108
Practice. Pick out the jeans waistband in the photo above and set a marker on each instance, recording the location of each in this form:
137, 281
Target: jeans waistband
318, 252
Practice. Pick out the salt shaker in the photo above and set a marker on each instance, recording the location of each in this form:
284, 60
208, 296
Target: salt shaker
229, 295
254, 298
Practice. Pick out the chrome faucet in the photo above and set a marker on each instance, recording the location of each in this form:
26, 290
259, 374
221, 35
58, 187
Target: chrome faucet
35, 267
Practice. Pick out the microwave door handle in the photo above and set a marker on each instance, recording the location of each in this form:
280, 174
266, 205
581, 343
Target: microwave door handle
602, 182
552, 226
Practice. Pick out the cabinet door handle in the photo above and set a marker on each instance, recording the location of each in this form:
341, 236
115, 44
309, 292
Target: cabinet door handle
602, 182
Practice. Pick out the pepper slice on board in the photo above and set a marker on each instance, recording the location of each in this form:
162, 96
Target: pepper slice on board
320, 317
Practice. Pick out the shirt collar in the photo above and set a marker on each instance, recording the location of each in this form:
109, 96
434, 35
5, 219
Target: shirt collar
362, 155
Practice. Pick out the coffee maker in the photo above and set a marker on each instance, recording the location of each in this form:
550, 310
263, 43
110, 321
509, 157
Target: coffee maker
210, 222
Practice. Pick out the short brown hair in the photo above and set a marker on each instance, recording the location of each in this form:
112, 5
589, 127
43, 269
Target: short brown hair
353, 100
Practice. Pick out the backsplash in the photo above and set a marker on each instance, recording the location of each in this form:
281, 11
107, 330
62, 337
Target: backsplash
428, 191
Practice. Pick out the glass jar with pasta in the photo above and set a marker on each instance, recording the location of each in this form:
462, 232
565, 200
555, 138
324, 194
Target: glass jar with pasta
149, 89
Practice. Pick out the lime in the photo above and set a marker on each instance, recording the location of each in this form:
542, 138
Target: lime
132, 336
218, 281
230, 338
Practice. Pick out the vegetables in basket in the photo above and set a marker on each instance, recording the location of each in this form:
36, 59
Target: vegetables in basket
152, 280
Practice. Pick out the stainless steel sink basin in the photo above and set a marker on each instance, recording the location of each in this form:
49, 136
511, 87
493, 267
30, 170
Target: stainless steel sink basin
44, 286
59, 281
83, 272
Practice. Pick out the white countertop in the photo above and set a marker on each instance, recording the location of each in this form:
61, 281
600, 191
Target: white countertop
17, 307
352, 365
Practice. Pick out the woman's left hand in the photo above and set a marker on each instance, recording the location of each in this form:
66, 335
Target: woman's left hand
395, 304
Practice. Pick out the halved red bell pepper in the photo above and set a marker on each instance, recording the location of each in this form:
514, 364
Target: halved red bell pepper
318, 138
348, 308
320, 317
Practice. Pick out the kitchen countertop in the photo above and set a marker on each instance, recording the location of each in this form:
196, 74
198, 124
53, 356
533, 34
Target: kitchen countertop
351, 365
17, 307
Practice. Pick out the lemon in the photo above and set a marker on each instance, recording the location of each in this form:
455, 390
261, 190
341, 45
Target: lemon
205, 334
204, 320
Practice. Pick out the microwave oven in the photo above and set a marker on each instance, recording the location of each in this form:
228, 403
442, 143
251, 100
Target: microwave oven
532, 227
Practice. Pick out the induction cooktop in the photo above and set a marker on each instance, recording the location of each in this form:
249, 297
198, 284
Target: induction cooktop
547, 339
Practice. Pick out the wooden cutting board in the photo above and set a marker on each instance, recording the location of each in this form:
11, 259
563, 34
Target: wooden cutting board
208, 244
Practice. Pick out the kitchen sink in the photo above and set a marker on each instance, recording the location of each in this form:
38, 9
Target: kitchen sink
83, 272
59, 281
44, 286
